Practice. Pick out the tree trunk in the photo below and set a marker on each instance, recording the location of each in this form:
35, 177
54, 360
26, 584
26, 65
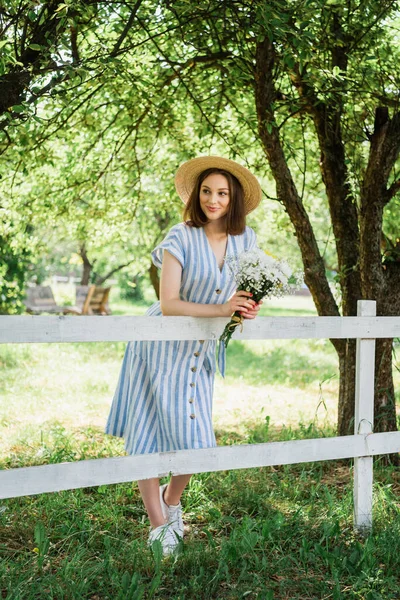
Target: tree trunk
347, 388
87, 269
155, 280
380, 281
385, 405
87, 266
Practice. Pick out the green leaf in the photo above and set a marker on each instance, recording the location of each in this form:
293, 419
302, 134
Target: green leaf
61, 7
18, 108
35, 47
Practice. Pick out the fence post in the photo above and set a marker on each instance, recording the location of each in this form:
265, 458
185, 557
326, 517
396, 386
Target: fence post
364, 421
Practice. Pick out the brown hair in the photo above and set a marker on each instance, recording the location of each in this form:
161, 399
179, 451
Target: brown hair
236, 215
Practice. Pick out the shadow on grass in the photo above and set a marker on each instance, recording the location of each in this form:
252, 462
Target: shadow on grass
263, 533
294, 364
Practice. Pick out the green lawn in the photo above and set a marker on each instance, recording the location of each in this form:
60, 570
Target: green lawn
270, 533
290, 382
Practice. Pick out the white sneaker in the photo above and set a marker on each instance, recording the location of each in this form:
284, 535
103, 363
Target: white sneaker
166, 536
172, 512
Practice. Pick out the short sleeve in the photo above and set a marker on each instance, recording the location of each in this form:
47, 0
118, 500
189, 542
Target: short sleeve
174, 242
251, 239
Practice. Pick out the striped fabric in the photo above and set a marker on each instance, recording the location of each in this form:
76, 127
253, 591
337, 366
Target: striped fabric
163, 400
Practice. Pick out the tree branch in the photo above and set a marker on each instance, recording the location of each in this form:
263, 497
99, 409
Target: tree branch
74, 45
100, 280
392, 191
126, 29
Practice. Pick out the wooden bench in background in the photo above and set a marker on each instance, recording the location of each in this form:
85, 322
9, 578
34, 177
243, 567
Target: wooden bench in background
90, 300
40, 299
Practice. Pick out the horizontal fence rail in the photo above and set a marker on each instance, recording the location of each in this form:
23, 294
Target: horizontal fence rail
34, 329
362, 446
28, 481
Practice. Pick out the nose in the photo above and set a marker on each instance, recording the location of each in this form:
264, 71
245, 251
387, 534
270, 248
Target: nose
214, 198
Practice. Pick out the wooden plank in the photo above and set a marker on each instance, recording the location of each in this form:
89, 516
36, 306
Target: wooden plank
37, 329
364, 421
51, 478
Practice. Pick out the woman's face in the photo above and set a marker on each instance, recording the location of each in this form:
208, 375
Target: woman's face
214, 196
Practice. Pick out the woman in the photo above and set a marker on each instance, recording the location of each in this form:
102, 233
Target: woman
163, 401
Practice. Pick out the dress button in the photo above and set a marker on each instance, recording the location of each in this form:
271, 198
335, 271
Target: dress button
193, 369
218, 291
191, 400
192, 384
197, 354
192, 416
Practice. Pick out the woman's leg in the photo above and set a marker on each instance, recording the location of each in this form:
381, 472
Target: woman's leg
173, 492
149, 490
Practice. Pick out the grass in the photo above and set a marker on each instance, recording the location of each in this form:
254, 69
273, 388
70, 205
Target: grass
270, 533
291, 381
280, 533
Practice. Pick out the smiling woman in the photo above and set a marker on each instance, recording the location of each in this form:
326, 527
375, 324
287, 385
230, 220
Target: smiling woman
163, 400
216, 194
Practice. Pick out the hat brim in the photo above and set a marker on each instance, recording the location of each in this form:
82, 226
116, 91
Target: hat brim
188, 173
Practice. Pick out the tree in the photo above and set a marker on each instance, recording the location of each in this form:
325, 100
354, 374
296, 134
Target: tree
76, 142
356, 214
46, 44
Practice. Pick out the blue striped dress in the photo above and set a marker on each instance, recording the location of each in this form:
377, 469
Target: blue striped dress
163, 400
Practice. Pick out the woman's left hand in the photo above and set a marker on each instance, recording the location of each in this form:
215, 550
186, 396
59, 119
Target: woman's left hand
252, 313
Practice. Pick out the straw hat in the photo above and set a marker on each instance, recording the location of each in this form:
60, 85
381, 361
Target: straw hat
187, 174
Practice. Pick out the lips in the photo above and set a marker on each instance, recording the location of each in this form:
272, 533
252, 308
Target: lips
212, 208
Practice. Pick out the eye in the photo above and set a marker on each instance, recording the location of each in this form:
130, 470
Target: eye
205, 191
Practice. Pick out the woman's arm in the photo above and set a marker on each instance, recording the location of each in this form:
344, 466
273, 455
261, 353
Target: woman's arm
172, 305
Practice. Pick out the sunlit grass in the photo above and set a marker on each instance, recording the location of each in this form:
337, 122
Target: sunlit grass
287, 380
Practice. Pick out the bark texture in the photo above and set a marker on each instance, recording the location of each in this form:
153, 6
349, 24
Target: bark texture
347, 388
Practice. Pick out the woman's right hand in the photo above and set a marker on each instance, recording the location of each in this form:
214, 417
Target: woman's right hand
241, 301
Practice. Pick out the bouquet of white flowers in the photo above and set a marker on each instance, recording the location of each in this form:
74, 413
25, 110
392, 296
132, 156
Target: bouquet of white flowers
261, 274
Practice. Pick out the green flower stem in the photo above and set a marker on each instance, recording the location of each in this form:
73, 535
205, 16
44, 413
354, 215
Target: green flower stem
230, 328
234, 322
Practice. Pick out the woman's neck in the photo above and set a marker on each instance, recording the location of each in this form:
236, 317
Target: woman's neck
215, 229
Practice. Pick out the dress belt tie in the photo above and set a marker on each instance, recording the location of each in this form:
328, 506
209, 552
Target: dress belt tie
221, 358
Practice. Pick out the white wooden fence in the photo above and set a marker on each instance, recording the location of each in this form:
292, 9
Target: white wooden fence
363, 445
